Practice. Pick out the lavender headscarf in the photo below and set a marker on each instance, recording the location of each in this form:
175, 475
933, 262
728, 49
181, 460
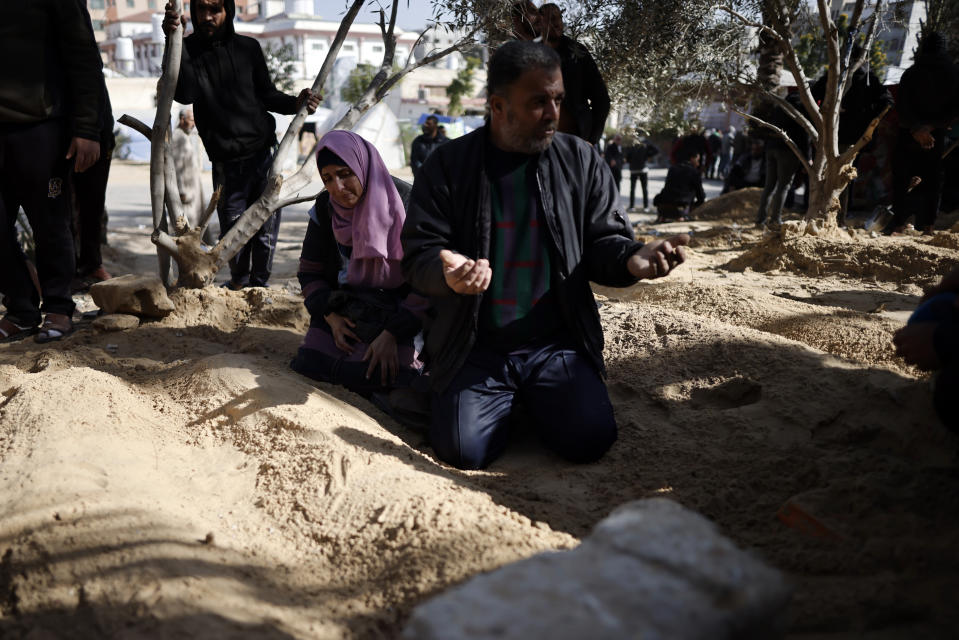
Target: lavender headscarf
372, 228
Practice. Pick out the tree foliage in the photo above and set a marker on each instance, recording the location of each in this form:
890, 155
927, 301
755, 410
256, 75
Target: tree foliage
281, 63
462, 86
357, 82
943, 16
811, 49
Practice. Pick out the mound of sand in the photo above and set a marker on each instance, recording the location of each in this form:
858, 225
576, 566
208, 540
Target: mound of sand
741, 205
898, 259
859, 337
178, 480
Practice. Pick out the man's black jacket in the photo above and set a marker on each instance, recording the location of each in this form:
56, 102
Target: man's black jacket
928, 93
226, 80
52, 67
450, 209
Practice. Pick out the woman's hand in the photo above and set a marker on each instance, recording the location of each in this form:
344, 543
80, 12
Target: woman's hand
382, 353
340, 326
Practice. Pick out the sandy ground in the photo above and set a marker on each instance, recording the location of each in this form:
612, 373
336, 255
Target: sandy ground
177, 480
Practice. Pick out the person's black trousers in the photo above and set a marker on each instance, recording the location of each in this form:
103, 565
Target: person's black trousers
243, 183
617, 177
34, 174
910, 160
561, 392
89, 197
644, 182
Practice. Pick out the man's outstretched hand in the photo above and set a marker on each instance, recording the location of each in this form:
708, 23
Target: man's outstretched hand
916, 344
657, 259
311, 99
465, 275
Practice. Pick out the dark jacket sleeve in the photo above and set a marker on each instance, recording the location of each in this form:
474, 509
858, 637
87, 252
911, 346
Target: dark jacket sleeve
320, 261
417, 154
185, 92
83, 70
700, 192
608, 242
271, 97
595, 90
427, 230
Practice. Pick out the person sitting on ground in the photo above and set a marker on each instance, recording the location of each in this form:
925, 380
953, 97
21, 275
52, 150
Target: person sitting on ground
930, 341
507, 227
363, 315
682, 191
748, 169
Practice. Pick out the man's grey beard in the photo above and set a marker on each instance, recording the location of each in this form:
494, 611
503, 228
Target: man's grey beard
528, 145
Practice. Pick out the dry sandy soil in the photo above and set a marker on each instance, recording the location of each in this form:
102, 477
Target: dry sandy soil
178, 480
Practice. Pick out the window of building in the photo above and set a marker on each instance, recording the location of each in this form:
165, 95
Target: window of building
377, 48
97, 4
319, 46
131, 4
151, 4
97, 25
349, 47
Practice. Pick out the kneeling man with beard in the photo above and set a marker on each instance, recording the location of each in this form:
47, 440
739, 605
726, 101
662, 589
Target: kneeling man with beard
506, 228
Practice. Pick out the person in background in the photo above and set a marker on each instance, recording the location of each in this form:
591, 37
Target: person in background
715, 142
637, 155
89, 195
781, 164
189, 173
749, 169
425, 143
682, 191
726, 152
927, 103
586, 104
614, 159
225, 77
865, 99
524, 20
51, 102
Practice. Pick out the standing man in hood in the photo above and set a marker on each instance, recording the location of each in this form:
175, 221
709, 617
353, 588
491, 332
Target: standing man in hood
224, 76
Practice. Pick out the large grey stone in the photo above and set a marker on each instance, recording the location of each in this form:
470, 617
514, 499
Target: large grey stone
141, 295
653, 570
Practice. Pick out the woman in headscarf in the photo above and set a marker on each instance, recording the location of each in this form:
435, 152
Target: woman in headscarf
363, 315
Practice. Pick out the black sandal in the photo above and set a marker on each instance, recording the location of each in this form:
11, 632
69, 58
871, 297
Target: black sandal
56, 326
10, 331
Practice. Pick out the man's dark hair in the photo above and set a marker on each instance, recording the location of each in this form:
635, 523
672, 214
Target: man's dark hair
515, 58
433, 118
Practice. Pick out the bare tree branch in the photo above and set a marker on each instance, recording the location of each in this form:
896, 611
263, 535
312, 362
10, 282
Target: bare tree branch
136, 125
293, 130
803, 159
